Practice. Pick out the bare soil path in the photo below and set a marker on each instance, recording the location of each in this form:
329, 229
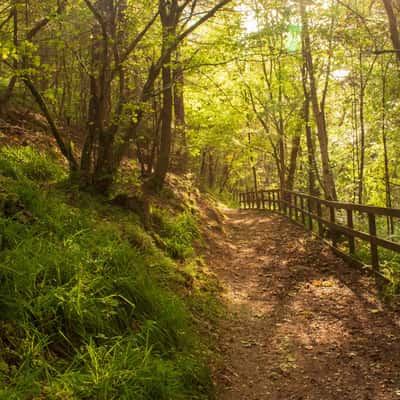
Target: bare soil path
302, 324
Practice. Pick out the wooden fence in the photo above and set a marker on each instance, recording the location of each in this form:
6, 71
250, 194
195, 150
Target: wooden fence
332, 221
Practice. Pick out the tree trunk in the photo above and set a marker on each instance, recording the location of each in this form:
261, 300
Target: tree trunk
203, 168
362, 135
394, 32
10, 87
388, 191
253, 167
168, 14
97, 161
179, 107
211, 170
319, 114
312, 167
65, 148
281, 160
289, 185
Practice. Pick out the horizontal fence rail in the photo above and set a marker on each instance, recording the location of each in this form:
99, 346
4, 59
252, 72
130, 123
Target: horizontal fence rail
342, 225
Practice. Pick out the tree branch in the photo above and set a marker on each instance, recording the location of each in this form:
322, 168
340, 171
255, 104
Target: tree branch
41, 24
98, 16
137, 39
157, 67
66, 149
7, 19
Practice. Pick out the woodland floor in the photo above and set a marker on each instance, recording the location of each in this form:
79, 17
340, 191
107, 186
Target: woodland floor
302, 324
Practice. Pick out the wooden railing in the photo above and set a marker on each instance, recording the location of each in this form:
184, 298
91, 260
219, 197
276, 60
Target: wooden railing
332, 221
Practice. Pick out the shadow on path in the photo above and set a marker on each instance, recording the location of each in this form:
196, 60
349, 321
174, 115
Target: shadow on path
302, 323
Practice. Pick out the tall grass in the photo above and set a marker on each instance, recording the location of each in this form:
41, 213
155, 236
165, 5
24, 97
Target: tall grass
177, 232
87, 310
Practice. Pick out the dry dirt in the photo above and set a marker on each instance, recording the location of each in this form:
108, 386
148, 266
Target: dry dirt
301, 323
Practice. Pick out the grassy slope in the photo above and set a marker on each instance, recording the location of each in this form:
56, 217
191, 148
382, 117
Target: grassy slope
90, 307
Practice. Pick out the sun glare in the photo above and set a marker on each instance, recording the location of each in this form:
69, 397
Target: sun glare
249, 20
340, 74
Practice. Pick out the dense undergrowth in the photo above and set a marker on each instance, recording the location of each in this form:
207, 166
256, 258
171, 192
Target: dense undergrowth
91, 307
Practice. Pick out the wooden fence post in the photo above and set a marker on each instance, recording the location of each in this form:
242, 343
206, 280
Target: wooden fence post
350, 224
319, 214
310, 219
279, 201
303, 215
374, 247
333, 233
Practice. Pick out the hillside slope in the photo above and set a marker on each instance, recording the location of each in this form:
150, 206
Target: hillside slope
93, 305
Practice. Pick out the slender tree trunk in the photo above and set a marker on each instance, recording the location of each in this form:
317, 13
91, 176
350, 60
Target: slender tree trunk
362, 135
225, 177
226, 174
7, 95
281, 160
162, 164
253, 168
65, 148
319, 115
281, 140
313, 174
293, 162
156, 133
394, 32
179, 107
212, 163
312, 165
354, 145
388, 191
203, 168
168, 14
10, 87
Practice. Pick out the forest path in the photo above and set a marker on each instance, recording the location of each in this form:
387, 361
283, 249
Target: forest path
302, 324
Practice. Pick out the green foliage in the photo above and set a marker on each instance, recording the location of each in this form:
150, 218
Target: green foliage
178, 233
87, 312
390, 268
25, 162
225, 197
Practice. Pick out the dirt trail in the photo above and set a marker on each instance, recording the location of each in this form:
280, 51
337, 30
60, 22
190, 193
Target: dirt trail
302, 323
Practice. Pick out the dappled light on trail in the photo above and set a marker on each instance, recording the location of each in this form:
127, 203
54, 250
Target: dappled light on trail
302, 323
